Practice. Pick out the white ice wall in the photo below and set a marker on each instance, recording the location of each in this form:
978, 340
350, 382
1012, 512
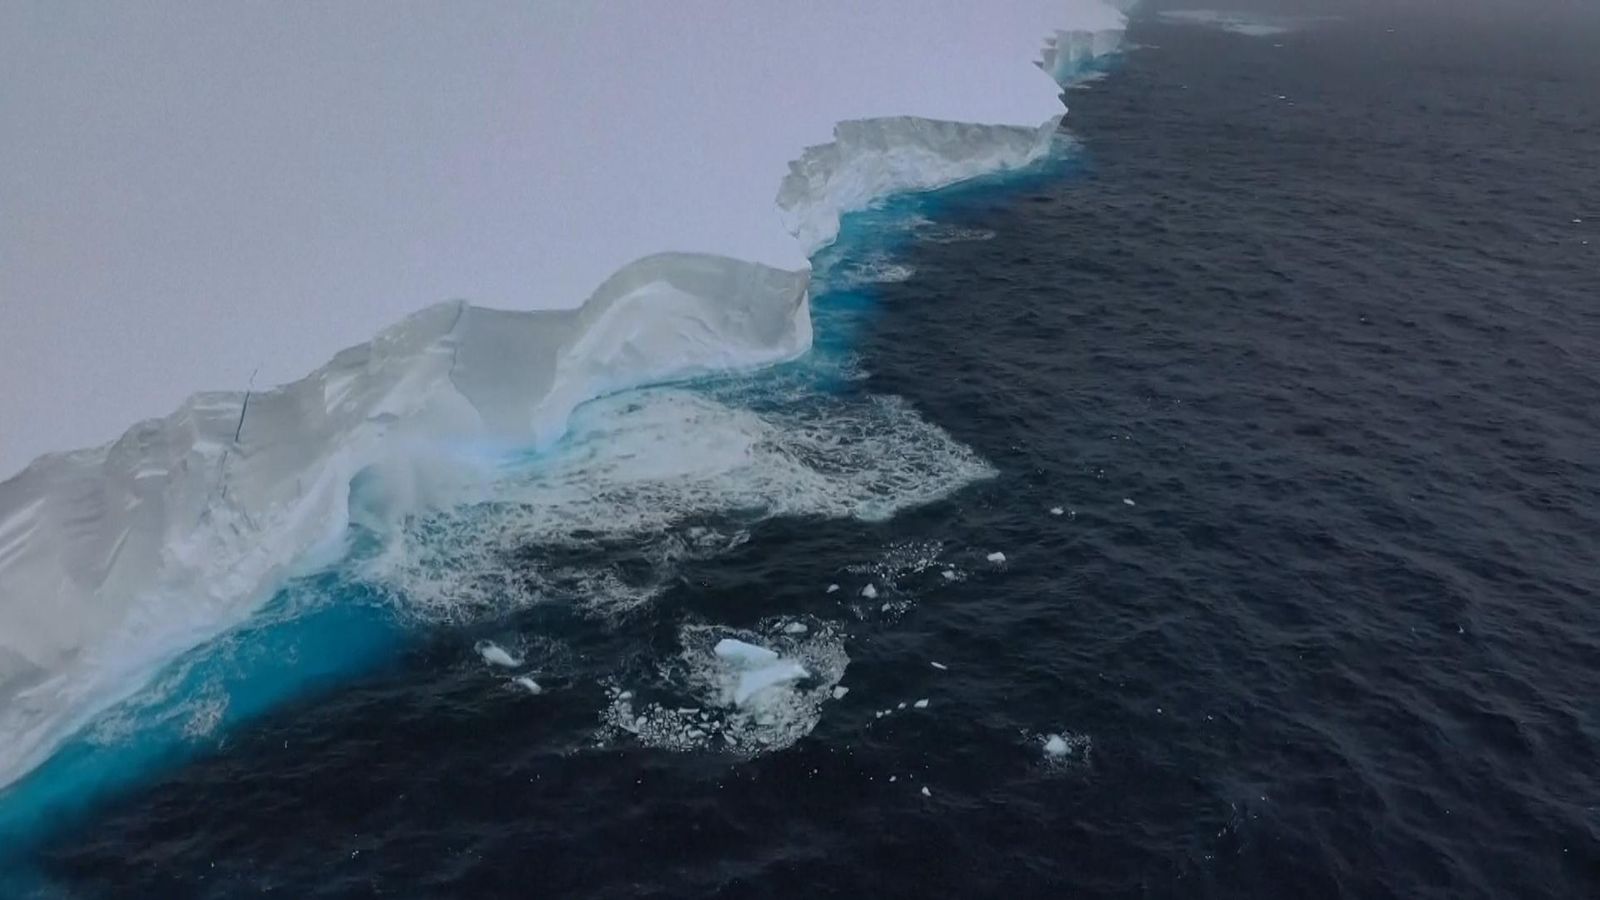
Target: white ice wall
190, 191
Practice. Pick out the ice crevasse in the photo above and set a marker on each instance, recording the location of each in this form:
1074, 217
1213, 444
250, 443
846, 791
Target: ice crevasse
115, 559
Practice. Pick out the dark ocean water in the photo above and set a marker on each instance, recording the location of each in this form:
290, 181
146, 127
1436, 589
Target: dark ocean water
1303, 339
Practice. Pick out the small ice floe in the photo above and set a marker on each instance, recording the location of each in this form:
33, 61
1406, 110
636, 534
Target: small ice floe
527, 683
901, 706
870, 592
1063, 751
496, 655
949, 574
921, 704
839, 692
759, 667
737, 651
1056, 511
938, 665
1128, 502
893, 778
927, 793
795, 628
997, 557
757, 680
831, 588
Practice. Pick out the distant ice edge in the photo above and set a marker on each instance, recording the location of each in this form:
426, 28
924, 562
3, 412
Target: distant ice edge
870, 159
115, 559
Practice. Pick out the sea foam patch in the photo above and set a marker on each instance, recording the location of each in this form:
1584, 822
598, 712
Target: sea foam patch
641, 473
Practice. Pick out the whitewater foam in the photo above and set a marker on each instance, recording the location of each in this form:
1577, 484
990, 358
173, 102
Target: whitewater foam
644, 471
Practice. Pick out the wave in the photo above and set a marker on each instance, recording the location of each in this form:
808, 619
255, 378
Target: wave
115, 560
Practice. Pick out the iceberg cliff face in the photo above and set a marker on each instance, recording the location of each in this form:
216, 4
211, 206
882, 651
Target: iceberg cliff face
874, 158
115, 559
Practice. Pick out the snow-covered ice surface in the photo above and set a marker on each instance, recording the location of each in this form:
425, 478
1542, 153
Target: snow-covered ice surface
116, 559
365, 164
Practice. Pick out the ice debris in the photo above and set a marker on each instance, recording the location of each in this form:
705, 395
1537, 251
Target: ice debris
1063, 750
1056, 510
746, 692
831, 588
496, 655
938, 665
921, 704
869, 592
997, 557
757, 680
743, 653
527, 683
1128, 502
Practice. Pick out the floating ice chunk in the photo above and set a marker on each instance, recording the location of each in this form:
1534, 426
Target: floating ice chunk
496, 655
939, 665
997, 557
527, 683
901, 706
747, 655
893, 778
839, 692
754, 682
921, 704
795, 628
949, 574
1128, 502
927, 793
869, 592
1056, 510
831, 588
1055, 745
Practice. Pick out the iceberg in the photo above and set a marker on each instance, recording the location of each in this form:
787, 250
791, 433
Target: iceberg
741, 653
115, 559
752, 683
